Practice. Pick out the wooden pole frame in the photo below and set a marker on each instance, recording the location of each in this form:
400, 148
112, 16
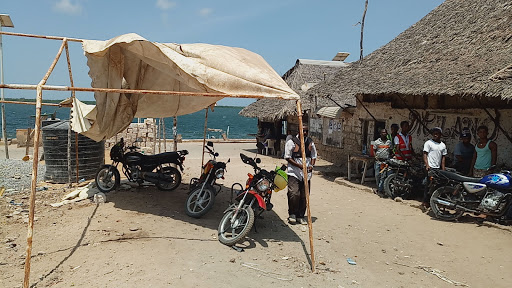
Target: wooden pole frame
306, 184
35, 162
204, 138
37, 131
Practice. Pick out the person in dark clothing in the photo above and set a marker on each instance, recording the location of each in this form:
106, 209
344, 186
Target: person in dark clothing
463, 153
296, 189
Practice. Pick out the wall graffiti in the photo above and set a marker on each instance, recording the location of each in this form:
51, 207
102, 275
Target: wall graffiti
451, 124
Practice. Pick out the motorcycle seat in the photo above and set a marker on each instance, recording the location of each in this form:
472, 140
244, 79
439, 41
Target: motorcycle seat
166, 157
458, 177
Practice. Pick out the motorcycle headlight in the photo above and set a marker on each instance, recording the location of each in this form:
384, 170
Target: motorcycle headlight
219, 173
263, 185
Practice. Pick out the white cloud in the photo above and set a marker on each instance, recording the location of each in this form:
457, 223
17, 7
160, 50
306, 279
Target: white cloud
205, 11
165, 4
66, 7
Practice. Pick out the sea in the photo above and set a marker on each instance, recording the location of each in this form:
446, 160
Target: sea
225, 119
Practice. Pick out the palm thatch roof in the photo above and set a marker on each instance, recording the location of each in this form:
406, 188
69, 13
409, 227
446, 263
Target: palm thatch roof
461, 48
304, 75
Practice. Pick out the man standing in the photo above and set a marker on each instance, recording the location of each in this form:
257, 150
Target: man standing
403, 143
394, 132
434, 156
382, 148
463, 153
296, 190
486, 153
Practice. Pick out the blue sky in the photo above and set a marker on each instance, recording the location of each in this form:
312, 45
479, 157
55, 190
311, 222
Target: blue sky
282, 31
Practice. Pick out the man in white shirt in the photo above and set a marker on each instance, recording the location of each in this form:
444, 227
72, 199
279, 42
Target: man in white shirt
434, 156
296, 190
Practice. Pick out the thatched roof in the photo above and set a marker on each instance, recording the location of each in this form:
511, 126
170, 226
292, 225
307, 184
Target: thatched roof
302, 76
461, 48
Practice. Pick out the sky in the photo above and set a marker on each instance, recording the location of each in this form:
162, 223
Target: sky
281, 31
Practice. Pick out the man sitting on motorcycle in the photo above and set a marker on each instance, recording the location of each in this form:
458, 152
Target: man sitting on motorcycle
434, 156
296, 190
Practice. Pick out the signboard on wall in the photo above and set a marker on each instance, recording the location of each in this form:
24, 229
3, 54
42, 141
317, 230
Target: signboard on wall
333, 132
315, 128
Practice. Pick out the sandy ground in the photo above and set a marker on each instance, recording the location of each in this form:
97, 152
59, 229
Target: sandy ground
142, 238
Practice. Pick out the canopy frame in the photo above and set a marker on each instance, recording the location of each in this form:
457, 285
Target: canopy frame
37, 132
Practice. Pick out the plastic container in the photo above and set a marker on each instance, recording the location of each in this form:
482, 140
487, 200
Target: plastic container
280, 180
91, 154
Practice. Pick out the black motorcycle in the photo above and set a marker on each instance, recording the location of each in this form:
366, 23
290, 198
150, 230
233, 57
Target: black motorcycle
138, 168
250, 202
404, 178
204, 189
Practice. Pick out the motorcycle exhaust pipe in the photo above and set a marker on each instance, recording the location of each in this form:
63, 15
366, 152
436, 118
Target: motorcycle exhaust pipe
445, 203
451, 205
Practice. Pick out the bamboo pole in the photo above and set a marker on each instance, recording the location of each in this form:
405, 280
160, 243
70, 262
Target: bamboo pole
2, 108
204, 138
28, 103
133, 91
35, 162
69, 128
306, 185
158, 134
76, 156
41, 36
175, 132
165, 137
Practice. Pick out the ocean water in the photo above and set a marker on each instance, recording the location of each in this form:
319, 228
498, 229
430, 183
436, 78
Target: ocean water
190, 126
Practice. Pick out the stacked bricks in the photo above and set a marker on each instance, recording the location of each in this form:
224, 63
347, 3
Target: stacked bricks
145, 133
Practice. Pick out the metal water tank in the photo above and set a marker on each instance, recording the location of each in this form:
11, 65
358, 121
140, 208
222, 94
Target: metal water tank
91, 154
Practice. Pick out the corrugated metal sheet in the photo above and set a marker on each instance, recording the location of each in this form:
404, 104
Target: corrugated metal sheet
323, 63
330, 112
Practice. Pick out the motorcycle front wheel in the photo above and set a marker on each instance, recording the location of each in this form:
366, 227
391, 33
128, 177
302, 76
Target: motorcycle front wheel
200, 201
170, 179
107, 178
232, 233
441, 211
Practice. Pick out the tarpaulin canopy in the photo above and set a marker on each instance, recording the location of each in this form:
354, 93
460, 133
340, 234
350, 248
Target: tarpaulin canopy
131, 62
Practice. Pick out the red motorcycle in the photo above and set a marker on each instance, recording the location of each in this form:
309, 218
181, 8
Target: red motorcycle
204, 189
250, 202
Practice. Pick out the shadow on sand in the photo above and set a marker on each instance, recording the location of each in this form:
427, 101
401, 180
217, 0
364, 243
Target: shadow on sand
149, 200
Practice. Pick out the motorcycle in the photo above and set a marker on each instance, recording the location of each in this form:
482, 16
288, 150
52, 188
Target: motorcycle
250, 202
490, 195
204, 189
138, 168
404, 177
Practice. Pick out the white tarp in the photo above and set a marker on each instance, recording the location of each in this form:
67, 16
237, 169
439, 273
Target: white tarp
130, 61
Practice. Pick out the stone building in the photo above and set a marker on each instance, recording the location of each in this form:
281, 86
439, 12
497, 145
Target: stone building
452, 69
280, 116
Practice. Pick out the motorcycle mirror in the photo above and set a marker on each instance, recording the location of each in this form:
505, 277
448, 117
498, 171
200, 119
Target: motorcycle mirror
209, 143
258, 160
229, 159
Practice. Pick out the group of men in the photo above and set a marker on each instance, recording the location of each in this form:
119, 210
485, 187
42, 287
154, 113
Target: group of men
469, 160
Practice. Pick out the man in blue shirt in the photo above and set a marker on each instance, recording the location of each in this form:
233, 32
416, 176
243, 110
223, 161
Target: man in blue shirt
463, 153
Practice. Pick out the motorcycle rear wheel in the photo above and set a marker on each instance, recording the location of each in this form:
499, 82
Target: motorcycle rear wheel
441, 211
200, 201
107, 178
389, 185
171, 174
231, 234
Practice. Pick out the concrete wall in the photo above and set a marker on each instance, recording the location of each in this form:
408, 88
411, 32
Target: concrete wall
451, 121
144, 132
349, 141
